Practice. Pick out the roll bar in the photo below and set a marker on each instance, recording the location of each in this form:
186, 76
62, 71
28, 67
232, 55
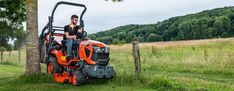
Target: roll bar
72, 4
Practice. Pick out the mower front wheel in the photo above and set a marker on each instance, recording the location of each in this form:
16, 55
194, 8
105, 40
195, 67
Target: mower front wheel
78, 78
53, 66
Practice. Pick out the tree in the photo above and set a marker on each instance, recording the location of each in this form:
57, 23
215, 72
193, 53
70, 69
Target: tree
154, 37
9, 49
232, 29
32, 52
2, 49
106, 40
223, 24
92, 36
218, 26
115, 41
13, 11
185, 30
12, 14
226, 25
120, 36
20, 41
224, 35
140, 39
210, 32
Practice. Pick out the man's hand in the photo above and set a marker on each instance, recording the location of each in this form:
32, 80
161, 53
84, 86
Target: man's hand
79, 30
74, 36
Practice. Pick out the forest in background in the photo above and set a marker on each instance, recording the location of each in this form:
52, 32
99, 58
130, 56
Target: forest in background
215, 23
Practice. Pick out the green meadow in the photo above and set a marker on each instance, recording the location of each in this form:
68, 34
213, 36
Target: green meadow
200, 65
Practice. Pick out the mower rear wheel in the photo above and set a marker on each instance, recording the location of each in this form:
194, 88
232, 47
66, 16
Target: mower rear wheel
43, 53
78, 78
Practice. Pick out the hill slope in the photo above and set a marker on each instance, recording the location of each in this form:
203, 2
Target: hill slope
207, 24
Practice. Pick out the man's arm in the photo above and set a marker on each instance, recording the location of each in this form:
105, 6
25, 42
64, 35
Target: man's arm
69, 36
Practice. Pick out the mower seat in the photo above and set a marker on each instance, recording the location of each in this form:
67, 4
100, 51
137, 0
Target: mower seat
74, 46
63, 42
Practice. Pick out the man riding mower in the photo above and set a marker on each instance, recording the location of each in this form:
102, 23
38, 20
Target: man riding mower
70, 56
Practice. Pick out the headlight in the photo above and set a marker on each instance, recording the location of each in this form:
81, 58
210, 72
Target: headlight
101, 50
97, 49
107, 49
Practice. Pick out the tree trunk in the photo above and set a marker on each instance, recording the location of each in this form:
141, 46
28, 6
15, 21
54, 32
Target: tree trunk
1, 56
9, 56
32, 52
19, 51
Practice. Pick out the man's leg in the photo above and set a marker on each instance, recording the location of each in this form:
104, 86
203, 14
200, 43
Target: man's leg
75, 42
69, 46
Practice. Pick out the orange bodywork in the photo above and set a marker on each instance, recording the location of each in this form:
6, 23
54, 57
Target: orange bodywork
86, 44
62, 77
61, 58
49, 68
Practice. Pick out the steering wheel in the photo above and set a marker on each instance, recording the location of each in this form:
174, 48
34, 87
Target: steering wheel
81, 35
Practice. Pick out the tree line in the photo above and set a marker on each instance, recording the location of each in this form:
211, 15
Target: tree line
216, 23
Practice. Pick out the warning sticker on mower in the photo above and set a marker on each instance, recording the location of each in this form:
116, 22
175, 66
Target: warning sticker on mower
63, 58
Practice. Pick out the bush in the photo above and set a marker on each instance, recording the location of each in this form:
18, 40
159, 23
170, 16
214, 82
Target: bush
154, 37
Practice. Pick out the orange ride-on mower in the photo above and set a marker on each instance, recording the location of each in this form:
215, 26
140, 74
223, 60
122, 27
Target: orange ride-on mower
90, 59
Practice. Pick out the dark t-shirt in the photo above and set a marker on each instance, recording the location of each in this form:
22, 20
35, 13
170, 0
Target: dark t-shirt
71, 31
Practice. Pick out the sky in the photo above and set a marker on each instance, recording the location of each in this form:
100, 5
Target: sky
104, 15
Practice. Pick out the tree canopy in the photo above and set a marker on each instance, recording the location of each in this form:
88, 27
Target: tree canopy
12, 14
216, 23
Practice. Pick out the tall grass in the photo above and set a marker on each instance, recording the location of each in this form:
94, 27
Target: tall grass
170, 66
206, 66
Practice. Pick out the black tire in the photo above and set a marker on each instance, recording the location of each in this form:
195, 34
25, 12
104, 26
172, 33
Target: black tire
79, 78
43, 54
56, 68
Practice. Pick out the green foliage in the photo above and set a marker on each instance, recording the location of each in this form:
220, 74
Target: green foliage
2, 49
20, 38
106, 40
154, 37
207, 24
12, 14
116, 41
10, 47
13, 11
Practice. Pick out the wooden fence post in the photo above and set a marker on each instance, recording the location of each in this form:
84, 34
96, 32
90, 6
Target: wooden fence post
136, 54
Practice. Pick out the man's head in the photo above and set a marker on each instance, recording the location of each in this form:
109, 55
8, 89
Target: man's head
74, 19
